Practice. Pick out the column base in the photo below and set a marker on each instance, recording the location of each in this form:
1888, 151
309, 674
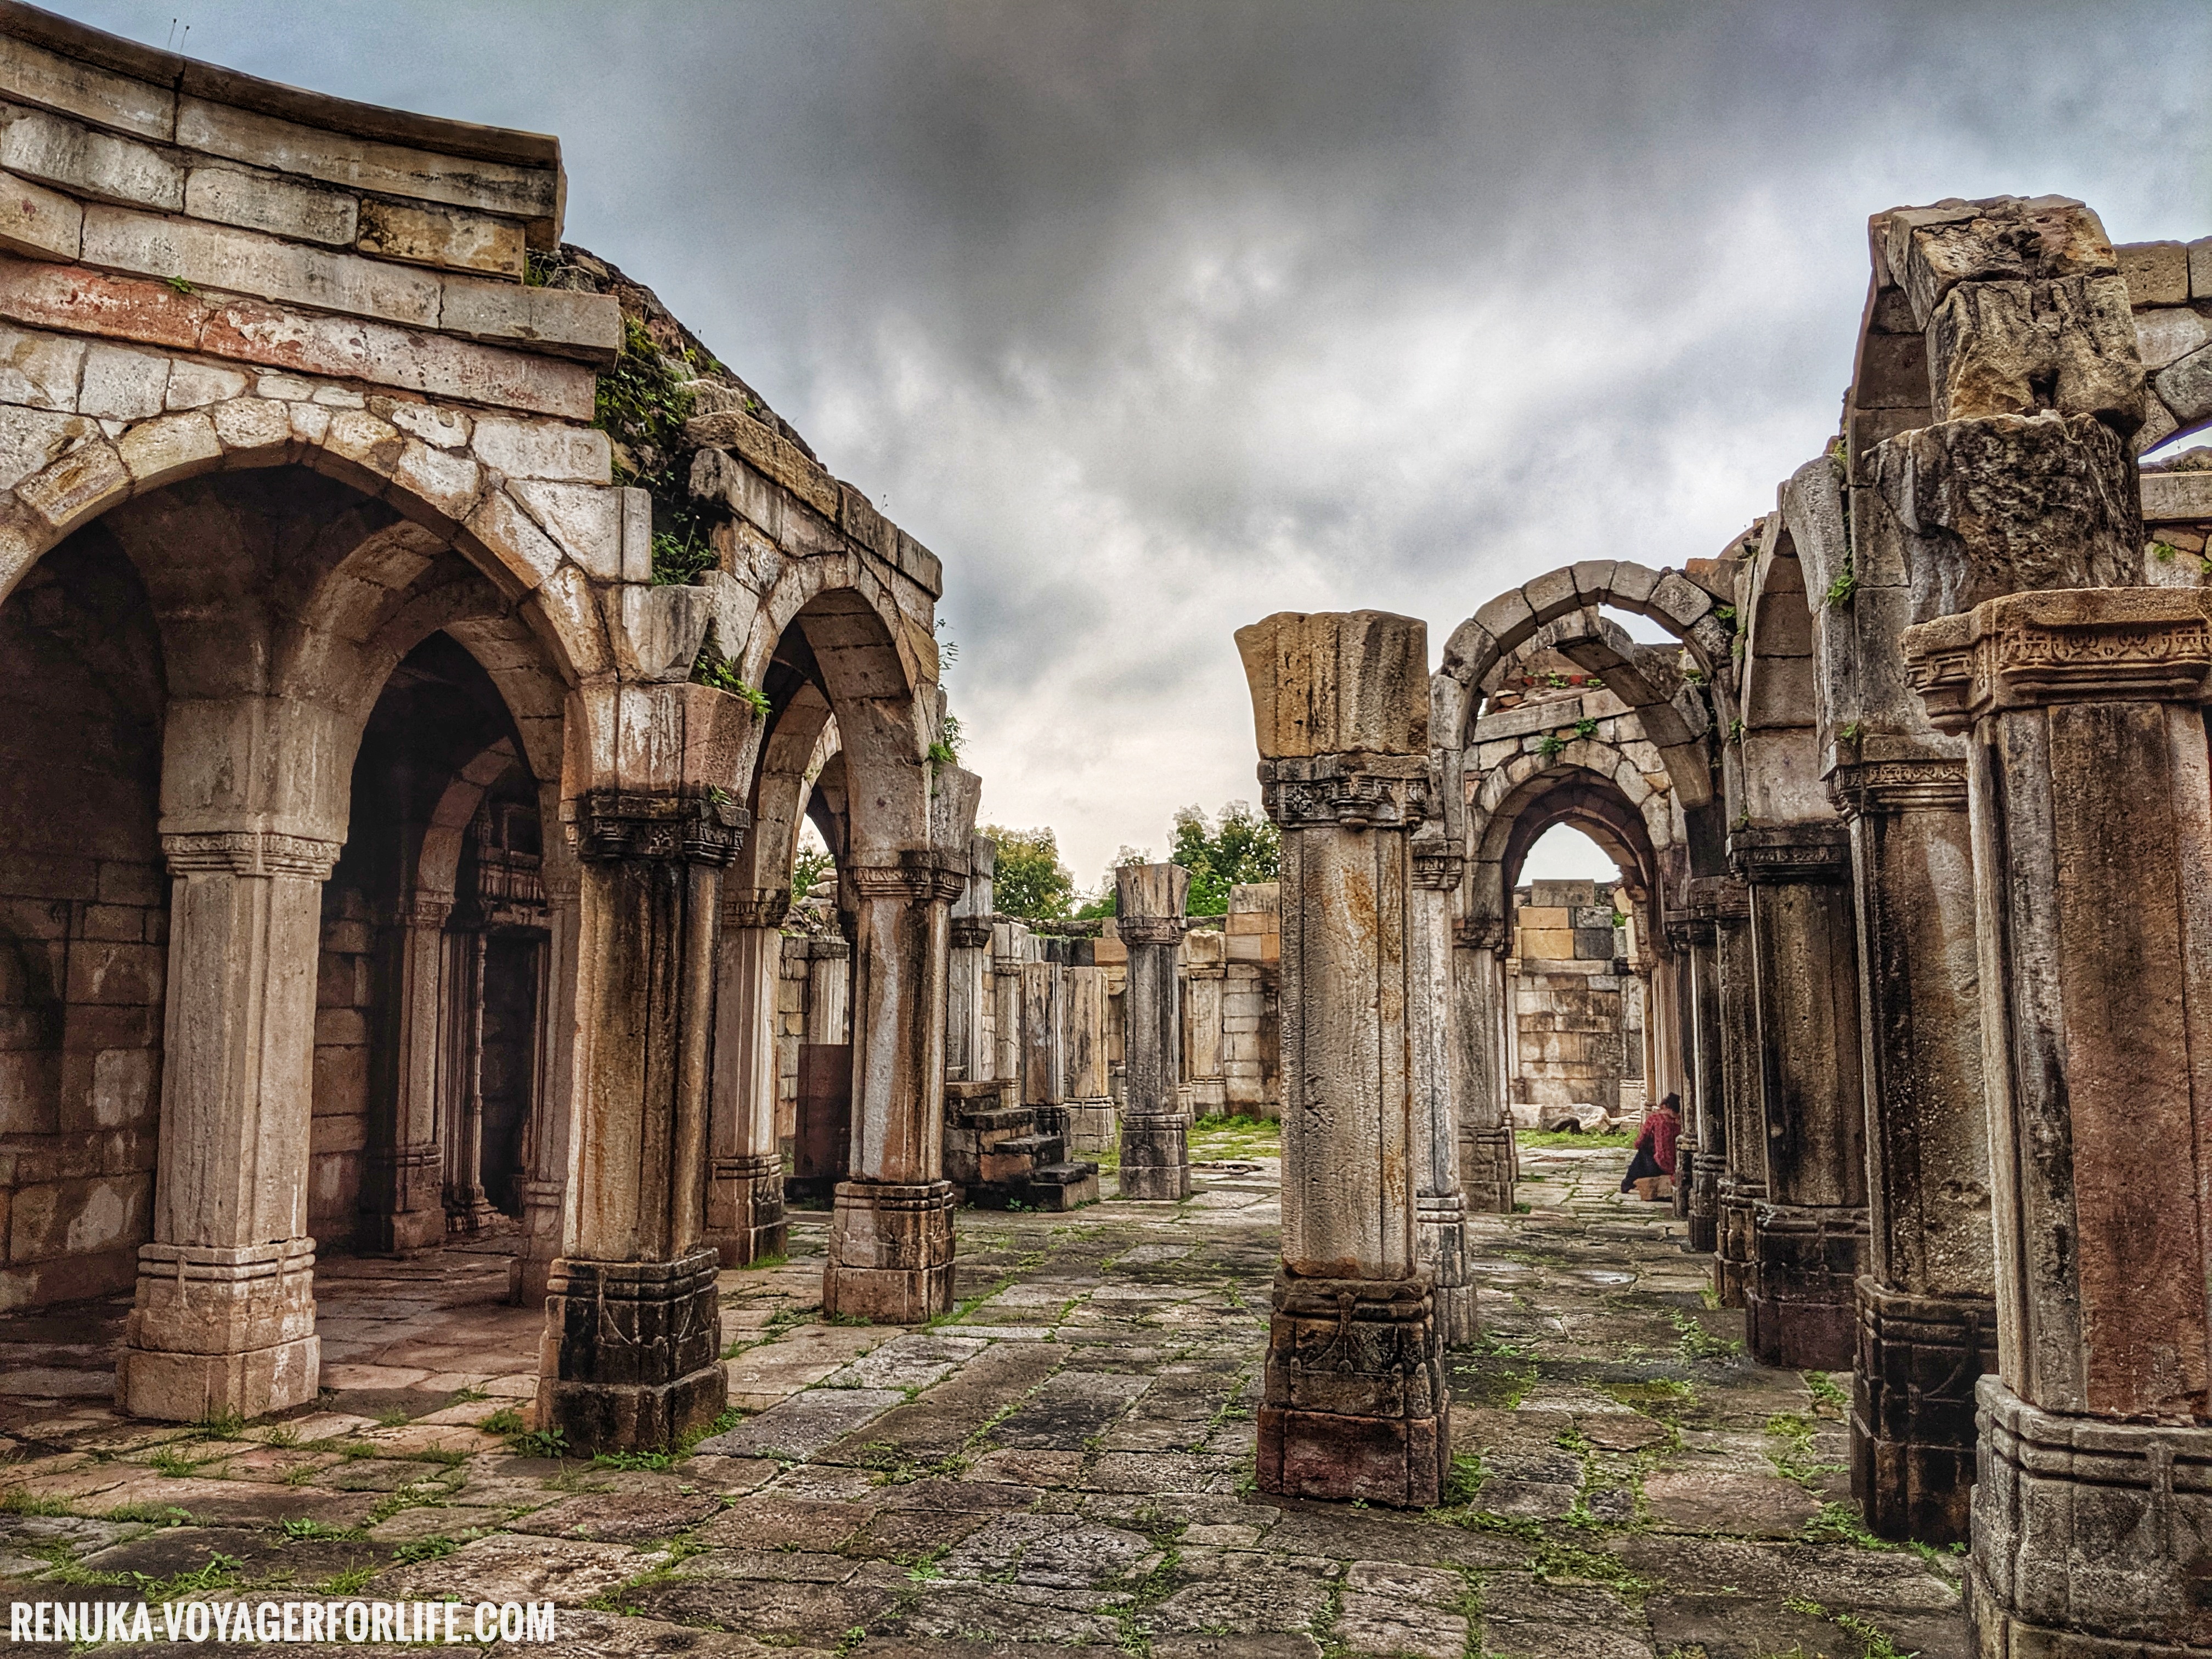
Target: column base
1801, 1308
1156, 1157
1355, 1405
631, 1359
1440, 1239
1093, 1125
890, 1252
1735, 1249
1705, 1189
1487, 1166
218, 1332
403, 1233
1686, 1160
403, 1214
744, 1209
1912, 1410
528, 1273
2093, 1539
470, 1211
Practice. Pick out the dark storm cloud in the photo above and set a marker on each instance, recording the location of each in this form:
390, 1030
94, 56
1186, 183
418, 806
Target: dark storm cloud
1152, 319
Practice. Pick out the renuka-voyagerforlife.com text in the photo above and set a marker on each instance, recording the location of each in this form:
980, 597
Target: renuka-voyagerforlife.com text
454, 1622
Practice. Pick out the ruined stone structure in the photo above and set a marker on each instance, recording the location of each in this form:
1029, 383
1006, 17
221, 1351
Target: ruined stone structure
1576, 1034
1913, 822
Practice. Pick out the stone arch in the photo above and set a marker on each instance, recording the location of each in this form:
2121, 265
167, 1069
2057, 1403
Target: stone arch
1589, 784
805, 733
1779, 741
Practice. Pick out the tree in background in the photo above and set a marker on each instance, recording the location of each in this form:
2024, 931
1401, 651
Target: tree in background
812, 862
1030, 880
1244, 847
1109, 900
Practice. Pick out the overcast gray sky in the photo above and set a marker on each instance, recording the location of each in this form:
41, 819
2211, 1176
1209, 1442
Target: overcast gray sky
1153, 318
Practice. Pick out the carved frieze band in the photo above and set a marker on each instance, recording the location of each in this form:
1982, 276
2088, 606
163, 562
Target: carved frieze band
1346, 792
1148, 930
1791, 853
1478, 934
921, 874
755, 906
971, 933
613, 826
2067, 645
1438, 867
1719, 898
1900, 786
250, 853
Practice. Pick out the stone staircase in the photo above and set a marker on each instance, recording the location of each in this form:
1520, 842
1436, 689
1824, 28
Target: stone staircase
1004, 1157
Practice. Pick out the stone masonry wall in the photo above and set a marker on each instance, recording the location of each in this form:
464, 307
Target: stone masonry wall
1569, 1006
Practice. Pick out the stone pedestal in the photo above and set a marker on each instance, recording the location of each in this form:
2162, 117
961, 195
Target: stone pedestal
2092, 811
1354, 1404
1155, 1130
1810, 1231
1487, 1163
891, 1235
224, 1318
629, 1360
1740, 1183
743, 1210
1927, 1318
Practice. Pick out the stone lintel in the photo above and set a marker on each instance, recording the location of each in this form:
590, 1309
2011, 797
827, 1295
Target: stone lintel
1774, 853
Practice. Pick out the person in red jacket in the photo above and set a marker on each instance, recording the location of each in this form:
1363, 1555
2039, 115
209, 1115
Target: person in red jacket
1651, 1172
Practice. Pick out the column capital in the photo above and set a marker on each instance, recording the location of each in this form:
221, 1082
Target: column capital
1479, 933
755, 906
1720, 898
1438, 865
1354, 790
919, 872
1148, 930
1899, 786
614, 826
1775, 854
2061, 644
250, 853
971, 932
423, 911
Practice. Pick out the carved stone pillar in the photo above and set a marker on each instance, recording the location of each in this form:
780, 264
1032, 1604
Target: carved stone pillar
224, 1320
630, 1358
1354, 1403
1088, 1105
403, 1175
1927, 1315
1487, 1163
545, 1174
1742, 1183
1440, 1205
745, 1219
890, 1234
968, 1056
1205, 977
1809, 1233
468, 1210
1043, 1062
1008, 939
1155, 1132
2092, 811
1706, 1102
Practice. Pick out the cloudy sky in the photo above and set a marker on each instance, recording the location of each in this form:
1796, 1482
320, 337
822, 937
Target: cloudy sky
1151, 319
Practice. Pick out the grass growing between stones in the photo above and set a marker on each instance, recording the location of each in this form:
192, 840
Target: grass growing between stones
1578, 1141
1874, 1641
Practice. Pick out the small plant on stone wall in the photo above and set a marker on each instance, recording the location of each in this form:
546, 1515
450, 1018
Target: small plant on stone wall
1851, 731
1735, 731
1586, 728
1844, 589
1550, 746
1726, 614
680, 561
2163, 551
712, 668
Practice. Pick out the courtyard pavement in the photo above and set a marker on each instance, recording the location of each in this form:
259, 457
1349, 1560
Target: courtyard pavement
1063, 1463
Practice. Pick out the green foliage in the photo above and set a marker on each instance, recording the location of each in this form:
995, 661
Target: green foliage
1726, 614
505, 1420
1825, 1391
1571, 1138
180, 285
811, 863
1851, 731
539, 1442
641, 403
712, 668
1844, 589
2163, 551
1030, 880
1550, 747
678, 561
1243, 848
1586, 728
1735, 731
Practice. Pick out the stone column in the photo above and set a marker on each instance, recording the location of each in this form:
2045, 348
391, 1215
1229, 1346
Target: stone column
546, 1175
468, 1210
1743, 1184
1707, 1100
224, 1320
1089, 1104
1155, 1134
1354, 1403
1488, 1165
1044, 1063
402, 1182
1205, 977
891, 1232
1809, 1233
968, 1057
631, 1352
1440, 1205
1927, 1315
744, 1221
1007, 940
828, 992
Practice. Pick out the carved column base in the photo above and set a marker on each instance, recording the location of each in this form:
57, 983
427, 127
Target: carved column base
219, 1332
1912, 1410
1441, 1243
1736, 1248
1156, 1157
745, 1208
529, 1272
1801, 1308
468, 1210
890, 1252
1093, 1125
632, 1353
1355, 1404
1488, 1164
407, 1216
1705, 1190
2093, 1539
1686, 1160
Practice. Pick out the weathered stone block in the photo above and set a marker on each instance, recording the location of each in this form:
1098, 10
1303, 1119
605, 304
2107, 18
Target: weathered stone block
264, 200
1354, 1402
637, 1351
90, 163
2156, 273
37, 222
441, 236
542, 449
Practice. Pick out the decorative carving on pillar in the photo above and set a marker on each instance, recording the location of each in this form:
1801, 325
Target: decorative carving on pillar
1150, 899
1354, 1402
971, 932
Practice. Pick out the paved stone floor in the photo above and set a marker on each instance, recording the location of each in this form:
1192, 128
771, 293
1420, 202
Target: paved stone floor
1065, 1461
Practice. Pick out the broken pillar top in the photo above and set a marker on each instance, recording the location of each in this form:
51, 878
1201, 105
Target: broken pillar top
1149, 893
1335, 683
1930, 250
